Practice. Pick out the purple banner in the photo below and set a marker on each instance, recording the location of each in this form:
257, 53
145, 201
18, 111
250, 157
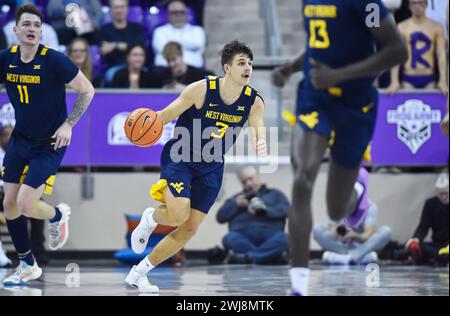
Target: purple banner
408, 130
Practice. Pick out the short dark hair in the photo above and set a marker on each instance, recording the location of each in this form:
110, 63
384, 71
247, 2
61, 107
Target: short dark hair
172, 49
232, 49
28, 8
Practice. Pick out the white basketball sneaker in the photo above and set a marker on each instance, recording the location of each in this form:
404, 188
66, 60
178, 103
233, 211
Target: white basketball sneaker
140, 281
59, 231
141, 234
24, 273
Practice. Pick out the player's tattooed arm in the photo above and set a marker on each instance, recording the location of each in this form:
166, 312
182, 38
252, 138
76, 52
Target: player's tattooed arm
85, 94
192, 95
257, 129
80, 84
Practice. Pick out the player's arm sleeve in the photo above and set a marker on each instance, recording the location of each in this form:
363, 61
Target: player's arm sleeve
64, 68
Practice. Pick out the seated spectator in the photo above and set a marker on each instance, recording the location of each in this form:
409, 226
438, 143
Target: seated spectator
89, 13
134, 75
78, 52
3, 44
344, 245
115, 38
181, 74
48, 38
425, 39
192, 38
435, 218
256, 218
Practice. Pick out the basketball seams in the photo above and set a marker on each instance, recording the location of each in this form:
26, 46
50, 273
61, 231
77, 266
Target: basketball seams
153, 123
134, 125
154, 140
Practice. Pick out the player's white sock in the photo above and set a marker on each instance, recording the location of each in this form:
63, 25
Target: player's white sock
144, 266
300, 280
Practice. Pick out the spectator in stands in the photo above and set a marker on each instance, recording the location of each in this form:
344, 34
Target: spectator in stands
37, 226
192, 38
425, 39
135, 75
49, 36
434, 217
181, 74
78, 52
115, 38
3, 44
89, 13
256, 218
344, 245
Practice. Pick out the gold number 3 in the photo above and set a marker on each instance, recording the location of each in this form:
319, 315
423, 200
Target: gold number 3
222, 130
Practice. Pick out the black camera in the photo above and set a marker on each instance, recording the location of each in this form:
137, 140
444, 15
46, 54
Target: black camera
256, 206
342, 230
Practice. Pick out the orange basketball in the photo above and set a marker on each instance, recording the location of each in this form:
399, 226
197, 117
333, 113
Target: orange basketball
143, 127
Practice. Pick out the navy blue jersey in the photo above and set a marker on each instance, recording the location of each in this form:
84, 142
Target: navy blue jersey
218, 123
37, 90
338, 35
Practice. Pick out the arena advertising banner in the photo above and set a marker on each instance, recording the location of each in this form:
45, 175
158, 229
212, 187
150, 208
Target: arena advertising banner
407, 132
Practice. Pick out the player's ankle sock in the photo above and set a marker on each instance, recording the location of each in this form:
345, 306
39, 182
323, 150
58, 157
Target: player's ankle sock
150, 221
58, 216
18, 230
28, 258
299, 280
144, 266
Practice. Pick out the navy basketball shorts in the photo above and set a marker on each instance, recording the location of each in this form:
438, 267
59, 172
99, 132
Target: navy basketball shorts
351, 118
31, 162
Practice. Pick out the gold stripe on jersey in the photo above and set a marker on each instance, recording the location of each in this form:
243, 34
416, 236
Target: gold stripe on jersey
212, 85
14, 49
44, 51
